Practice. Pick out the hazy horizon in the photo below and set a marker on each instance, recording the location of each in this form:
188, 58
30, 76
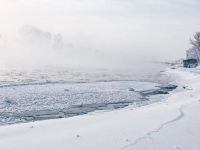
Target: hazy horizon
95, 34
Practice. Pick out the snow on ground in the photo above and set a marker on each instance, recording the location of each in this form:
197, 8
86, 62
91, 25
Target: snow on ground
168, 125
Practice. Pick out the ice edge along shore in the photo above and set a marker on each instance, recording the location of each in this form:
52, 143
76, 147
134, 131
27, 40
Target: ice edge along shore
168, 125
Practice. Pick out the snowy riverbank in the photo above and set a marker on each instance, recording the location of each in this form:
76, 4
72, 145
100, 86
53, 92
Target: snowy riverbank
168, 125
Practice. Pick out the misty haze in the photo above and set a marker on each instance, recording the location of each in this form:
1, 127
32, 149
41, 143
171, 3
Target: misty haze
95, 34
99, 74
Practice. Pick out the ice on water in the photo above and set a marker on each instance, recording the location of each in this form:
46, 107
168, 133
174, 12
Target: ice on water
37, 95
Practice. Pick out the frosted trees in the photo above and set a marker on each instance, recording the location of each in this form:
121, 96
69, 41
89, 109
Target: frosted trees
196, 45
37, 38
194, 52
196, 41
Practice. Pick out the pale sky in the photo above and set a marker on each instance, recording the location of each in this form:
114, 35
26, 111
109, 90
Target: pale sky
96, 32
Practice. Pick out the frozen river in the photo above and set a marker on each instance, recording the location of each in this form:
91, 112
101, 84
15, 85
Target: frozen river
36, 95
52, 100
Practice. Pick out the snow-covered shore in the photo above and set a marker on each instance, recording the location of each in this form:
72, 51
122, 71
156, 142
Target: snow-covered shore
168, 125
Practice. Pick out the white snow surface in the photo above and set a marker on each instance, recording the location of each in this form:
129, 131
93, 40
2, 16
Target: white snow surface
168, 125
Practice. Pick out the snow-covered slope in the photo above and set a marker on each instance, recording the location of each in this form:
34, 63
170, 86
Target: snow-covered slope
170, 125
